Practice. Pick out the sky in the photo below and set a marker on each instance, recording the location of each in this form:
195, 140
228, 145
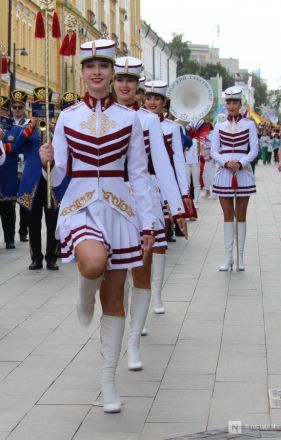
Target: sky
249, 30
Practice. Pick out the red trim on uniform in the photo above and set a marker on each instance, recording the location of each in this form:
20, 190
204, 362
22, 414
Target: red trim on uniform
182, 215
161, 117
105, 102
146, 141
126, 250
98, 140
235, 192
8, 147
233, 151
95, 173
160, 240
97, 48
70, 250
239, 139
126, 260
234, 135
145, 133
229, 187
98, 162
150, 232
233, 144
73, 231
135, 106
96, 151
28, 131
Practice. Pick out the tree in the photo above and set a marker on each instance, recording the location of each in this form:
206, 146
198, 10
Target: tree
211, 70
181, 50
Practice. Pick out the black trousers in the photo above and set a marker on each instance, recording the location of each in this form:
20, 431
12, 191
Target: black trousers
24, 221
8, 219
35, 226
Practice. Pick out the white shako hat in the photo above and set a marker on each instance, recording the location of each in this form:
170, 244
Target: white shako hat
158, 87
142, 83
103, 49
234, 92
128, 66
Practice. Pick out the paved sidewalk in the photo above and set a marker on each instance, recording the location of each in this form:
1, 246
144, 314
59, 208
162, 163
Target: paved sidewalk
210, 359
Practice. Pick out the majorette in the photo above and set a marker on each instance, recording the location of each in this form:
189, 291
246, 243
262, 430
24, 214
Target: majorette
234, 147
97, 222
126, 84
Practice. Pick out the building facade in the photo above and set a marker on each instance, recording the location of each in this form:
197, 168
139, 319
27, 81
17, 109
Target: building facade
204, 54
158, 59
116, 19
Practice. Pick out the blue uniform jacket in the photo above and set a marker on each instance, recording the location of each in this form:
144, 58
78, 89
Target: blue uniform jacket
9, 170
32, 173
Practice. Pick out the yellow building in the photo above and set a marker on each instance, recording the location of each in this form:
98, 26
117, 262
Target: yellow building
118, 19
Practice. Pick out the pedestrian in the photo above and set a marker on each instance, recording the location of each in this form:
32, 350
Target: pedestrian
234, 147
162, 181
270, 147
97, 222
264, 145
276, 146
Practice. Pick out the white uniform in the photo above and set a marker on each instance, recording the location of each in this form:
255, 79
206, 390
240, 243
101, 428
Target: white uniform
2, 153
161, 172
234, 141
173, 143
91, 145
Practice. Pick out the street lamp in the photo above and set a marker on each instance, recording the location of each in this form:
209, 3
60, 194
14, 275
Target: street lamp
23, 52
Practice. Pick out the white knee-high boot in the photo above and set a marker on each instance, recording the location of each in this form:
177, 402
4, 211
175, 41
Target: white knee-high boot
228, 241
139, 308
241, 243
158, 271
86, 300
111, 332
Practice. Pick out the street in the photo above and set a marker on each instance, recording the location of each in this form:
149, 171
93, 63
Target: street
209, 360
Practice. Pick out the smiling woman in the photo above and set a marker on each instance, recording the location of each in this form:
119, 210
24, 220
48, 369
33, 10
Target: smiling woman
97, 222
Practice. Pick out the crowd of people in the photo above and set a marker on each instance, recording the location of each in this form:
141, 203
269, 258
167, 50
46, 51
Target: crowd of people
122, 174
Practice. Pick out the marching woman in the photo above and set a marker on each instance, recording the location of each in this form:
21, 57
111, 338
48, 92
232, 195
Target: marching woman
97, 222
155, 101
126, 83
234, 147
2, 153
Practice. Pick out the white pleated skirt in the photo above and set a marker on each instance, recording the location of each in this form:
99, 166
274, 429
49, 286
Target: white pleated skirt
222, 183
98, 221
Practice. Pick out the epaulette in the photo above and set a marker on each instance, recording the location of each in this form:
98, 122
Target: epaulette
123, 106
72, 107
